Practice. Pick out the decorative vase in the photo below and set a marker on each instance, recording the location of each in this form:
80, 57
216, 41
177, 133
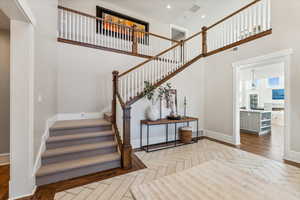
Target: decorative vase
152, 113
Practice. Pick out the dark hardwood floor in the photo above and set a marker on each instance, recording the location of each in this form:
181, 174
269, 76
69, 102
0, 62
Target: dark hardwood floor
47, 192
270, 145
4, 179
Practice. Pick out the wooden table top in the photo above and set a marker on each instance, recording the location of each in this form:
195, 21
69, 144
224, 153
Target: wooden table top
167, 121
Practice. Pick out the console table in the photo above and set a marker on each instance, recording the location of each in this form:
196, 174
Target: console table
166, 122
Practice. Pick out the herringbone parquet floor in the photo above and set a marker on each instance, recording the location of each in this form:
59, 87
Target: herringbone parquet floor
170, 161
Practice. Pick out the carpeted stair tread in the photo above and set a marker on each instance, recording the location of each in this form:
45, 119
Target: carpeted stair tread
74, 124
74, 164
78, 148
79, 136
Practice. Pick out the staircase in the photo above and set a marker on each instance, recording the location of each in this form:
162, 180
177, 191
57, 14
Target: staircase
76, 148
249, 23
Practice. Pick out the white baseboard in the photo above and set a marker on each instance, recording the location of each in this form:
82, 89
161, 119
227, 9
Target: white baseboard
42, 148
25, 196
4, 159
292, 156
156, 140
219, 136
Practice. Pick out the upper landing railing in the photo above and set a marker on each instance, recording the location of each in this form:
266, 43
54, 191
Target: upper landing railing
83, 29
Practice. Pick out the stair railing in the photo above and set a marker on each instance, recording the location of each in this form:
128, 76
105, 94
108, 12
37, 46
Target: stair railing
83, 29
249, 23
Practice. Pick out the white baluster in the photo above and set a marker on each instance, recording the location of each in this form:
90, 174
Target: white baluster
263, 15
73, 26
268, 14
68, 25
77, 27
114, 36
259, 22
95, 31
60, 12
86, 34
126, 88
122, 37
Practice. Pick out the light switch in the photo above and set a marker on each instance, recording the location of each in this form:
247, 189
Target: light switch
40, 98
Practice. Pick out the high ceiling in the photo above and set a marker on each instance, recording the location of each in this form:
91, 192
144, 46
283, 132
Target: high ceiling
180, 10
4, 21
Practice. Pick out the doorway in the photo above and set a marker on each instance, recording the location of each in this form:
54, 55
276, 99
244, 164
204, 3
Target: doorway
261, 104
178, 33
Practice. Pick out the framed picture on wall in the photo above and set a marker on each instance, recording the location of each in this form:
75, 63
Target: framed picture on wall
111, 17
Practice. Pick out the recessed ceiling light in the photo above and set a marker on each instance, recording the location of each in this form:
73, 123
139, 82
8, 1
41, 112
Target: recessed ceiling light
169, 6
203, 16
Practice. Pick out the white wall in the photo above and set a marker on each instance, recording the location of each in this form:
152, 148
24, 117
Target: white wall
4, 91
219, 72
85, 77
45, 78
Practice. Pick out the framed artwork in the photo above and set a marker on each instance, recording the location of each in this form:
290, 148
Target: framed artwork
118, 18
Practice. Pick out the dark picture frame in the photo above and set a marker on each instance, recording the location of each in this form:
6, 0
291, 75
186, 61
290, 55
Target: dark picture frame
104, 13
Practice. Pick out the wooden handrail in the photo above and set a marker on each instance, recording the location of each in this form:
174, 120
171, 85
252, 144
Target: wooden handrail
153, 58
191, 37
231, 15
123, 105
156, 85
121, 25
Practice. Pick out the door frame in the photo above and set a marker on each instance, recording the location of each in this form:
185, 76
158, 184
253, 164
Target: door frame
173, 26
284, 57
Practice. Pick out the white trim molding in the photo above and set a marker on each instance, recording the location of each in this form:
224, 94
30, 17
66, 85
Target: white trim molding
284, 57
220, 136
42, 148
18, 10
292, 156
4, 159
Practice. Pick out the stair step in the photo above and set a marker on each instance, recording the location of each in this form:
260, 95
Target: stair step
56, 155
79, 138
69, 169
79, 126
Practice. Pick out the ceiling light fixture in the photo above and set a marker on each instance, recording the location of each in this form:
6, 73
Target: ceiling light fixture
203, 16
169, 6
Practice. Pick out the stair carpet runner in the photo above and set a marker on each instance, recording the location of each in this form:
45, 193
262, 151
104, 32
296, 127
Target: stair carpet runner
76, 148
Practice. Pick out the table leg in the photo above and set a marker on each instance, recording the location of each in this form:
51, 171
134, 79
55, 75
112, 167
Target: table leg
147, 138
197, 131
175, 134
167, 133
141, 137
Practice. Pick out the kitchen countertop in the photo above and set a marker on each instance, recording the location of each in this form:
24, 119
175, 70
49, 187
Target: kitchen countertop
255, 111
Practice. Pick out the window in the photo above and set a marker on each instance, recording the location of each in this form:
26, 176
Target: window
273, 82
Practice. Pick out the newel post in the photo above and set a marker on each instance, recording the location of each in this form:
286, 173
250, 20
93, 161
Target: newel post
204, 40
134, 40
127, 149
115, 75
